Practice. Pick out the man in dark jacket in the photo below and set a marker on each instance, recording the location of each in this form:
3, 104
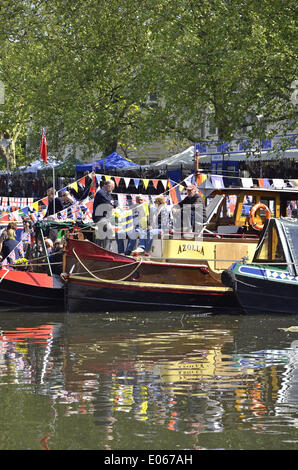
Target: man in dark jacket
103, 206
104, 198
55, 204
192, 210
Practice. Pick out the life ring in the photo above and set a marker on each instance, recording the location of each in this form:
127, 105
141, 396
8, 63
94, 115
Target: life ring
252, 215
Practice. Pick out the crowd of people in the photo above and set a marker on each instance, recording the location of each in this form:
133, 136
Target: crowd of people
11, 251
35, 184
285, 169
29, 184
148, 222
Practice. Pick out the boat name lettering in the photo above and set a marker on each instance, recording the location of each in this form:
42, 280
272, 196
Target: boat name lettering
190, 247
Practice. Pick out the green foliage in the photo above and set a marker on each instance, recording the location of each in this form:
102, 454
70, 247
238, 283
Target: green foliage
85, 69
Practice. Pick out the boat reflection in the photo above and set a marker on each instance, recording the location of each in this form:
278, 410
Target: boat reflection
184, 377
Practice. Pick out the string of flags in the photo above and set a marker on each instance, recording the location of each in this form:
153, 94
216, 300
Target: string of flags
36, 210
7, 202
173, 195
40, 206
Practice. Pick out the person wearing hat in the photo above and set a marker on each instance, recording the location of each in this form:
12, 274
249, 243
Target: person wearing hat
192, 210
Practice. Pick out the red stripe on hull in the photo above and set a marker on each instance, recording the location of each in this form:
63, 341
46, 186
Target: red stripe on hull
24, 277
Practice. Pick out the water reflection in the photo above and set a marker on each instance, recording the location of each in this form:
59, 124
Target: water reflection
181, 382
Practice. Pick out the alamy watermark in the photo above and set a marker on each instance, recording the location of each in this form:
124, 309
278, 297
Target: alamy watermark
186, 223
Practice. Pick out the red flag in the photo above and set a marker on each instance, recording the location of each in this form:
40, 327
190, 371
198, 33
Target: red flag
43, 147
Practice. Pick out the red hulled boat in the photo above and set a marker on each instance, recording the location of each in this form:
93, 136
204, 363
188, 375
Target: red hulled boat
99, 280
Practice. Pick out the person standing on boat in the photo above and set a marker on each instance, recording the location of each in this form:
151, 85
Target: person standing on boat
140, 218
26, 234
67, 202
102, 214
192, 211
160, 222
55, 204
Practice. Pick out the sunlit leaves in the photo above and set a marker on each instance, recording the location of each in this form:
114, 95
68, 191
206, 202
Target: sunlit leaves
85, 69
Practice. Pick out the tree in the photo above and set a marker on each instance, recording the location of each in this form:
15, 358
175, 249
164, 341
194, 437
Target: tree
85, 69
231, 58
14, 109
92, 89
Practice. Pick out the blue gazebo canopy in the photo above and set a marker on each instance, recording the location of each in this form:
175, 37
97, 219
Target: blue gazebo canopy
111, 162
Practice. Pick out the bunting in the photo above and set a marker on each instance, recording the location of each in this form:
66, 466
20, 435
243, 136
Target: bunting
15, 209
145, 183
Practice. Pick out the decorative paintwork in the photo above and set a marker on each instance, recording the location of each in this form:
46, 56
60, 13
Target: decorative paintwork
265, 273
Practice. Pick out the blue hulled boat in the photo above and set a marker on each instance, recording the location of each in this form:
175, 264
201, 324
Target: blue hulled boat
270, 283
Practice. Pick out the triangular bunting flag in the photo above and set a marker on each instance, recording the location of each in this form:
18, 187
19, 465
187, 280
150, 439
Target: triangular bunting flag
278, 183
175, 198
74, 186
45, 200
200, 178
155, 183
117, 180
35, 206
146, 182
126, 181
136, 182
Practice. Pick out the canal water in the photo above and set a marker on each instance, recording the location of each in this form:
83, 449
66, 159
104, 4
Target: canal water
162, 381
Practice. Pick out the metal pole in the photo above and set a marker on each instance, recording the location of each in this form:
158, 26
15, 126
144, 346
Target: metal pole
46, 253
54, 188
197, 166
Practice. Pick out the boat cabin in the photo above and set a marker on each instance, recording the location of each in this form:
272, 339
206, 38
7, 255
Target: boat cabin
279, 245
234, 210
235, 219
230, 232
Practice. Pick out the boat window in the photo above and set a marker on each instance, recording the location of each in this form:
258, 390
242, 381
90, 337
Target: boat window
291, 231
271, 249
248, 202
270, 203
292, 209
231, 201
277, 253
263, 252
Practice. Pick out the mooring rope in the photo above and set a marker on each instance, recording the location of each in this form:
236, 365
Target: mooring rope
107, 280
